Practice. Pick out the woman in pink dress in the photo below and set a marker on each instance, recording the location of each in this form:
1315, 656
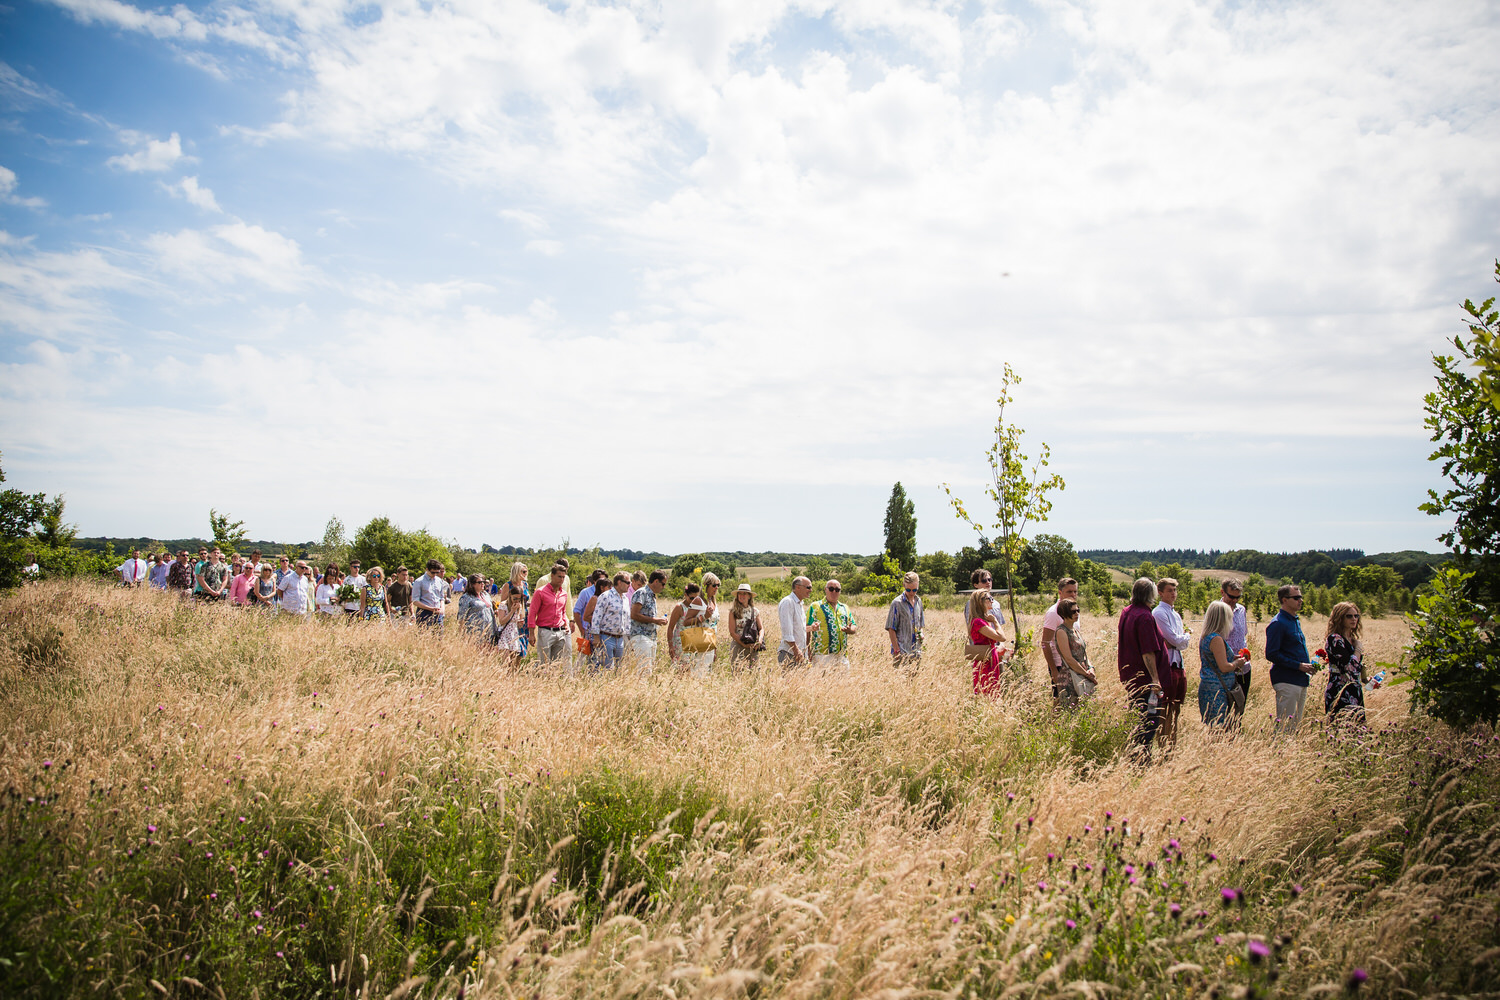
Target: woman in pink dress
983, 633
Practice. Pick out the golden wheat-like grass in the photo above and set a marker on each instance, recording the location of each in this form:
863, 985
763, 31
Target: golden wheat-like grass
845, 882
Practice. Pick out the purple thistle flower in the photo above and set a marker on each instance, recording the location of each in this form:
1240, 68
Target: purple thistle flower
1296, 890
1212, 856
150, 828
1257, 952
1227, 895
1356, 979
46, 764
1069, 924
1129, 870
1175, 911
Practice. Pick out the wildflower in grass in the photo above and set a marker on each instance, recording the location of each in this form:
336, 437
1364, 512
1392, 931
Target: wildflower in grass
1228, 896
1213, 857
150, 828
1042, 886
1070, 925
1257, 952
1175, 911
1296, 890
1356, 979
46, 764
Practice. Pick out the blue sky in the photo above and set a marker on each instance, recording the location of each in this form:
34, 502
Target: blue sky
713, 276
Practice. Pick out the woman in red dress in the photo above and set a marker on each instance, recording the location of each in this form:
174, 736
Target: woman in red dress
983, 633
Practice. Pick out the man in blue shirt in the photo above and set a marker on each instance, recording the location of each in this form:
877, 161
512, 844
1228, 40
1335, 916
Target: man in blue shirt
1291, 667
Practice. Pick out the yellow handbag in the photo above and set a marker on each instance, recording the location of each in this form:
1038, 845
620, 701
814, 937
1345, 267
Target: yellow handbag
697, 639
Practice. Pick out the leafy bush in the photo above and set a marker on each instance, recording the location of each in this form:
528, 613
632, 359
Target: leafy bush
1455, 654
382, 543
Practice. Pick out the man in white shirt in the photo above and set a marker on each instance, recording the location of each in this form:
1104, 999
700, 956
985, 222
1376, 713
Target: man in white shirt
428, 595
1177, 638
789, 613
293, 589
1067, 590
133, 570
1239, 630
355, 579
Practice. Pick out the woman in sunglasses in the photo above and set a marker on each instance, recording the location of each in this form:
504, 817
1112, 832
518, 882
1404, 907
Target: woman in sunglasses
1345, 696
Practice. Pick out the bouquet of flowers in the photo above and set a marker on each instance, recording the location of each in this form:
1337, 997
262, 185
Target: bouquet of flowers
347, 593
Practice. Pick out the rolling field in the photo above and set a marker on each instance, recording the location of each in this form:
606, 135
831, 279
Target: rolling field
210, 802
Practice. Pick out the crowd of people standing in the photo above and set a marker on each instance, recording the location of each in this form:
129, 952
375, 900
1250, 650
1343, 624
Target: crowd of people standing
615, 616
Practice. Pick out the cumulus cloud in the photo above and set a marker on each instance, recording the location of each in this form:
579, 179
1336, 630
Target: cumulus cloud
189, 189
854, 212
230, 254
154, 155
8, 191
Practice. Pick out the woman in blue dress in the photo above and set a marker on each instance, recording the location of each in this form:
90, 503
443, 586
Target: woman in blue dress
1217, 685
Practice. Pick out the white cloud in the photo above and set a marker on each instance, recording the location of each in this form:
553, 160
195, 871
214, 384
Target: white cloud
225, 255
52, 294
195, 194
157, 154
8, 191
1149, 211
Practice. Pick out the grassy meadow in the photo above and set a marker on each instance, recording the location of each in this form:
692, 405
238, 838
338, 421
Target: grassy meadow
211, 802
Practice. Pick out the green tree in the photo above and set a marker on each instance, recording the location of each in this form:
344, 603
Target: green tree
1018, 490
1047, 559
935, 569
382, 543
52, 532
692, 566
1455, 654
818, 571
1486, 344
901, 529
969, 559
19, 514
1462, 418
228, 535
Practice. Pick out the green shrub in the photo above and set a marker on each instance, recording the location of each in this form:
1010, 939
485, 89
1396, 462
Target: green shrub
1454, 655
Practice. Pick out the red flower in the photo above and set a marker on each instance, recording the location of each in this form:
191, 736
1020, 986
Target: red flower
1245, 652
1319, 652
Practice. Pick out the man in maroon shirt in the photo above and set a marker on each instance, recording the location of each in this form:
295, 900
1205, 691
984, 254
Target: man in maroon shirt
1141, 656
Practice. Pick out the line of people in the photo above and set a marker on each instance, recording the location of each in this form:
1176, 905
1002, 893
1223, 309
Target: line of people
619, 614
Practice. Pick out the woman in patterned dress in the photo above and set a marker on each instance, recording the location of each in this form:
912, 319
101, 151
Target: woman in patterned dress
374, 602
1346, 688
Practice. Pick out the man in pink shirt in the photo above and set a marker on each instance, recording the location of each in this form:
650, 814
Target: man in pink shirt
547, 618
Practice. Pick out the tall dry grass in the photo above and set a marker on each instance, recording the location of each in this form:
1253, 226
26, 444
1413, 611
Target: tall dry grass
208, 801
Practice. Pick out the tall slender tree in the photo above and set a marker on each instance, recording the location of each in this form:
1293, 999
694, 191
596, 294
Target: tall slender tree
1018, 490
901, 529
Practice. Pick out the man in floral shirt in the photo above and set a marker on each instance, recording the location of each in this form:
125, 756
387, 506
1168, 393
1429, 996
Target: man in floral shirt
213, 578
832, 626
611, 620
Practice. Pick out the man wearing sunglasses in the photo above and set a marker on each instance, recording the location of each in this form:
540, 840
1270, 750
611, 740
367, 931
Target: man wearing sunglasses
904, 624
1239, 629
832, 625
1291, 667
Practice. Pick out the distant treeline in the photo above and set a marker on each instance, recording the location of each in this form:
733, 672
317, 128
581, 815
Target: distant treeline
740, 559
1316, 566
122, 546
737, 558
